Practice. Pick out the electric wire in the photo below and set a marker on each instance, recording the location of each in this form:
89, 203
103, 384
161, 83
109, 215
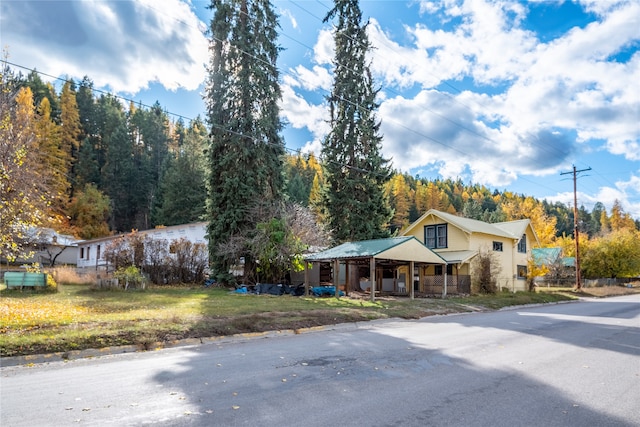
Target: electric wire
418, 133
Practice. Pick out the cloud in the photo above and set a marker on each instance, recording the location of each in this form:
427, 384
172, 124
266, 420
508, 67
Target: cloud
544, 98
292, 19
323, 50
300, 114
119, 44
622, 191
310, 79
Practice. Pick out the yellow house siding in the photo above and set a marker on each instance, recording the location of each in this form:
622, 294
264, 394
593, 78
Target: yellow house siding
456, 238
464, 234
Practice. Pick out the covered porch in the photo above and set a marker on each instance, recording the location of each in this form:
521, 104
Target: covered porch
381, 266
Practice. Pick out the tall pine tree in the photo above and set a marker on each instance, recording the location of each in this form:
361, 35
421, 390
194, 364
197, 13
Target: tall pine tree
245, 155
182, 188
355, 171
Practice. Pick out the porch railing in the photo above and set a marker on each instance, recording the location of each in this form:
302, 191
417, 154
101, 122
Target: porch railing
460, 284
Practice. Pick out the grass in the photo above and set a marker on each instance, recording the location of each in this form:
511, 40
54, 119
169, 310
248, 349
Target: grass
77, 317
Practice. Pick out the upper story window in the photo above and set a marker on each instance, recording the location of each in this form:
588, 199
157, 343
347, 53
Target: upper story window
522, 244
497, 246
435, 236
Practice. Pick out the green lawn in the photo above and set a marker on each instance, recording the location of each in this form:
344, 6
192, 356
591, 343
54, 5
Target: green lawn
78, 317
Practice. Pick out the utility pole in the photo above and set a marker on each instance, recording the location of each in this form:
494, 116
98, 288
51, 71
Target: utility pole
575, 221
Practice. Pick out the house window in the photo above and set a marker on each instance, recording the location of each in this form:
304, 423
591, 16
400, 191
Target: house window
497, 246
81, 253
435, 236
522, 272
522, 244
438, 270
88, 252
98, 252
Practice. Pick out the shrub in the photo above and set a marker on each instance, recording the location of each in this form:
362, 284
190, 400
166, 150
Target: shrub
130, 276
164, 262
484, 272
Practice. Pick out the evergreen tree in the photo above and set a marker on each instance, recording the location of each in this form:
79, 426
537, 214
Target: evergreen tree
41, 90
182, 189
355, 171
300, 172
90, 154
150, 133
472, 209
594, 221
245, 152
119, 178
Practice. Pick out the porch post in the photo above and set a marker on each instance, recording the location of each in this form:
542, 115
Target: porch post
336, 276
411, 273
444, 288
347, 278
372, 277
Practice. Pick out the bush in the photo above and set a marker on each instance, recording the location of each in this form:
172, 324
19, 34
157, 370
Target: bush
130, 277
485, 270
163, 262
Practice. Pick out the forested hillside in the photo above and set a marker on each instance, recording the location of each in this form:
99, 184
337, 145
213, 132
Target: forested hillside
410, 197
109, 167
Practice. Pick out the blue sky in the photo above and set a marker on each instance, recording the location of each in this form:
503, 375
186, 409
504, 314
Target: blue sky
508, 94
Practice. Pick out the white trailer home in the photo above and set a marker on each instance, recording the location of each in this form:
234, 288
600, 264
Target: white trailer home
91, 252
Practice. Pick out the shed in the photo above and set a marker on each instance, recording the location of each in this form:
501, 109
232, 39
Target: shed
406, 251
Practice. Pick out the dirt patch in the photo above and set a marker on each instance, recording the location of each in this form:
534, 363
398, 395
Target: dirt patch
611, 291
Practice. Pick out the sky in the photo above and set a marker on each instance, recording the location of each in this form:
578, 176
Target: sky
508, 94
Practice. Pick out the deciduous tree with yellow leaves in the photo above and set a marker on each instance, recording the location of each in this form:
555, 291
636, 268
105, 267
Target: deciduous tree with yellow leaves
24, 197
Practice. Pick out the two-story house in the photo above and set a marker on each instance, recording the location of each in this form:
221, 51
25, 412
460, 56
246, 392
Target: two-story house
459, 240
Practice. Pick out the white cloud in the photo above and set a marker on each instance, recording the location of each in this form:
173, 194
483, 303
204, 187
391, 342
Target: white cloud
623, 192
323, 50
544, 93
300, 114
292, 19
120, 44
314, 79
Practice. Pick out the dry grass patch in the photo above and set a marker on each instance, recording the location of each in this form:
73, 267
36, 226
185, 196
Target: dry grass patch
596, 291
78, 317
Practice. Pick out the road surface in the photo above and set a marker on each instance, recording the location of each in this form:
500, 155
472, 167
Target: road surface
575, 364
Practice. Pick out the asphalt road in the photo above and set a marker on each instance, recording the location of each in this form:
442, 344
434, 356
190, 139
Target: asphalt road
575, 364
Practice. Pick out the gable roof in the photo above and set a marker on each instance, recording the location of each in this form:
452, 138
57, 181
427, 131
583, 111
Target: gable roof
457, 257
510, 229
405, 248
149, 231
51, 237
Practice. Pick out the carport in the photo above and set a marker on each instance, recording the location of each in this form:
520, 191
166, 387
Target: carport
388, 253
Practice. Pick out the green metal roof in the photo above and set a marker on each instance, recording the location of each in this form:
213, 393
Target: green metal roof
415, 250
545, 256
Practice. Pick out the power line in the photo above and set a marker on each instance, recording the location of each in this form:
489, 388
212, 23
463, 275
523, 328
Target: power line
391, 120
398, 123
